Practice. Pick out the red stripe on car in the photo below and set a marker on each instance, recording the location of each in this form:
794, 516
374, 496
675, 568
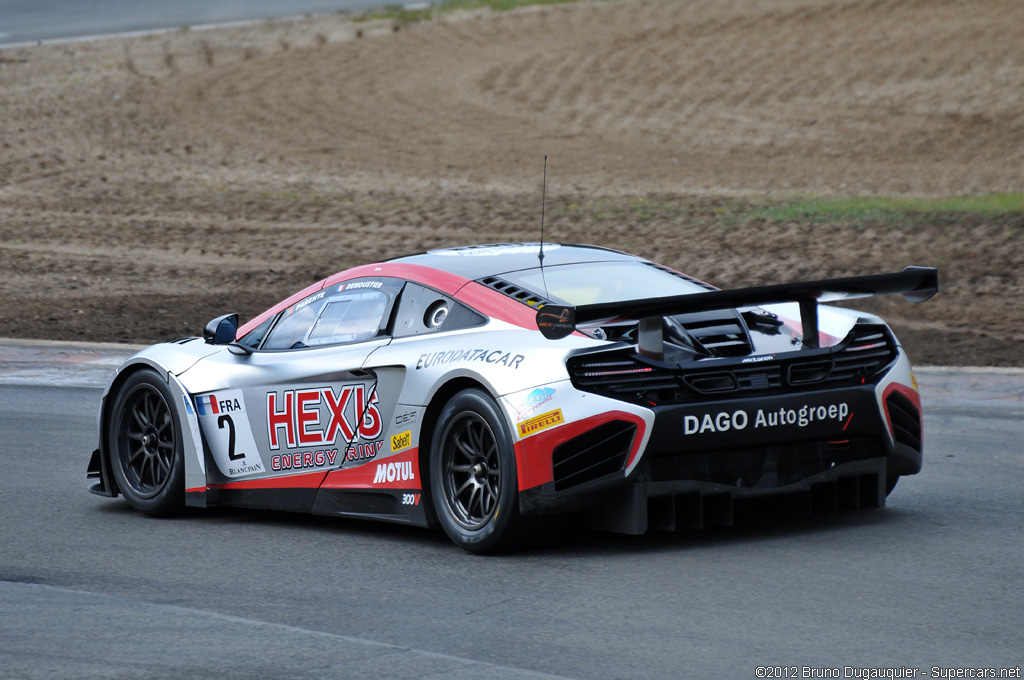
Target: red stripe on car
533, 454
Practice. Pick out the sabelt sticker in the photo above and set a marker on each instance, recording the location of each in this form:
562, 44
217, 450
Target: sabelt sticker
400, 442
540, 423
225, 425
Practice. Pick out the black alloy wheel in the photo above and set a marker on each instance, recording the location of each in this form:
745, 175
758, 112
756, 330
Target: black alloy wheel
472, 471
145, 446
473, 480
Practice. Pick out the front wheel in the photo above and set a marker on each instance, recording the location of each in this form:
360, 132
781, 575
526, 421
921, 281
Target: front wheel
473, 474
146, 452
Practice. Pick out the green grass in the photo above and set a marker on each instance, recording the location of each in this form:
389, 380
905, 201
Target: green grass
726, 212
873, 209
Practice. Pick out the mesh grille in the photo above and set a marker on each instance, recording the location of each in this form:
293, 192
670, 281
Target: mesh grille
859, 359
601, 451
905, 419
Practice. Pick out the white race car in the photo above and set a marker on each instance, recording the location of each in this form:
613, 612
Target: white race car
472, 388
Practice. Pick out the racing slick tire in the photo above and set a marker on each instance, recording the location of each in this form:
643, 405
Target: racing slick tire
146, 449
473, 480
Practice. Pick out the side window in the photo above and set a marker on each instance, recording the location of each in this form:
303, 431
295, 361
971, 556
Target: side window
253, 338
423, 310
295, 322
351, 317
352, 311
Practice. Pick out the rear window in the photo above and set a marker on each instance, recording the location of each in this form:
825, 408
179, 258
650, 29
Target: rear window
598, 282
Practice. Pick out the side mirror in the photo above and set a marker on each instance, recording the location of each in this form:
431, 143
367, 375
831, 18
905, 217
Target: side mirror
222, 330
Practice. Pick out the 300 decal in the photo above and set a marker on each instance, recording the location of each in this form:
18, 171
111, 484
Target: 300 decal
410, 499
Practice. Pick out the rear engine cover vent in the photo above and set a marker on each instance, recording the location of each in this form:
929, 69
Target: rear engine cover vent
721, 332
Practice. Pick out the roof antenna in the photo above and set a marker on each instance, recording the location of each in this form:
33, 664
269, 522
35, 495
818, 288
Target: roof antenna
543, 201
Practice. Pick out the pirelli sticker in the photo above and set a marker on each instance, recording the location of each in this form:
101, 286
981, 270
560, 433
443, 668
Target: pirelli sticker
541, 422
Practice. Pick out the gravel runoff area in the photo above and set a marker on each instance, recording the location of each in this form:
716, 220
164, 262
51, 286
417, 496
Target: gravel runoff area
149, 183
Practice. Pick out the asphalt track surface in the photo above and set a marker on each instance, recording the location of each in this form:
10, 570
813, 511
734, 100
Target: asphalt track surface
33, 20
91, 589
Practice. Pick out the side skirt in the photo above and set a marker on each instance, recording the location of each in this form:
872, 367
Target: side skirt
402, 506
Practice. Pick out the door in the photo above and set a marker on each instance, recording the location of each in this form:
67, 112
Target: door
276, 420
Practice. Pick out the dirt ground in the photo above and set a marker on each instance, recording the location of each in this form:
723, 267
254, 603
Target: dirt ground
150, 183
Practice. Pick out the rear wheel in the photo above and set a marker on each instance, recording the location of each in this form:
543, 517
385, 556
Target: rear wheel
473, 479
146, 452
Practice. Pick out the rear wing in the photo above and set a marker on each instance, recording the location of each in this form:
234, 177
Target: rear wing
916, 284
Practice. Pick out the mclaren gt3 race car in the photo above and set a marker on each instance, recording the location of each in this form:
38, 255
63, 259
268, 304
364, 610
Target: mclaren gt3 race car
473, 388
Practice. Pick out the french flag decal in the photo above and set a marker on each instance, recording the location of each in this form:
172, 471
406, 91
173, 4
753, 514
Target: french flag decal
207, 406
